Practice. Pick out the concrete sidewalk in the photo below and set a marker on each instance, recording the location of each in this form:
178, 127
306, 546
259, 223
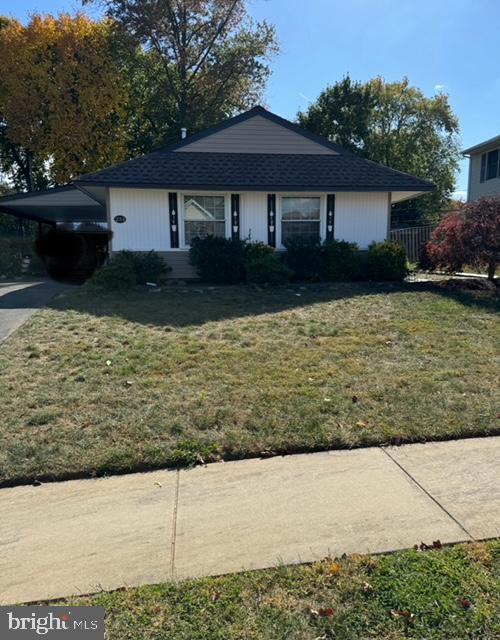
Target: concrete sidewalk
84, 535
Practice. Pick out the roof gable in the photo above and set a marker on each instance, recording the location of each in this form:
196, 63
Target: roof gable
257, 131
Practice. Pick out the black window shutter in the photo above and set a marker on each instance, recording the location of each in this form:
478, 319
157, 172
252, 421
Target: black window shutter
483, 167
174, 220
330, 217
271, 219
235, 216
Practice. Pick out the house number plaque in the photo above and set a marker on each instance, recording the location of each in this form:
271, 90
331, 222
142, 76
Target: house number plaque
119, 219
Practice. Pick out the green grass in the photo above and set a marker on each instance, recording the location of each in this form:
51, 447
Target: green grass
106, 383
433, 587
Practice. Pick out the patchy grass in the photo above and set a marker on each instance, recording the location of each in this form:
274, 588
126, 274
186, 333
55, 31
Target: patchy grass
118, 382
446, 594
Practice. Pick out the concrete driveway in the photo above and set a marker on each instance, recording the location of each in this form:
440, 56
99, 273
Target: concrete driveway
20, 299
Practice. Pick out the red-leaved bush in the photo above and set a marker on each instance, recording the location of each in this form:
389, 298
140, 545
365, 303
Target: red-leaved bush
470, 237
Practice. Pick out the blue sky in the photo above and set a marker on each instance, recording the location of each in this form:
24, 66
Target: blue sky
447, 45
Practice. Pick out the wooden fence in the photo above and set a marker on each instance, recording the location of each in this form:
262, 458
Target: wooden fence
413, 239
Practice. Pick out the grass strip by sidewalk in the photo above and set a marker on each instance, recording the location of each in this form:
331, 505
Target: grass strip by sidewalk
122, 382
451, 593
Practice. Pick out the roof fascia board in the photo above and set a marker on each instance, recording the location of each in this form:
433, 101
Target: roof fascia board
270, 188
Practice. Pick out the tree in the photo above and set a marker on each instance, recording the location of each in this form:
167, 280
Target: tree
62, 99
393, 124
209, 59
470, 237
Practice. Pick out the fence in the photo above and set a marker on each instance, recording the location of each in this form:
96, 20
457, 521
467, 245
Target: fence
413, 239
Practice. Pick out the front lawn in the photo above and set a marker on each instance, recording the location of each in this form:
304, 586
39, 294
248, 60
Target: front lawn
446, 594
114, 382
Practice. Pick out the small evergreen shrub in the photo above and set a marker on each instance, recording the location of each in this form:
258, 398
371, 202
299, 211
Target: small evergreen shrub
386, 261
219, 260
267, 269
305, 259
118, 273
149, 267
128, 268
341, 260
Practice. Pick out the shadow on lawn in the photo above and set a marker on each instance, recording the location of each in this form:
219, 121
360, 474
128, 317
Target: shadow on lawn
196, 304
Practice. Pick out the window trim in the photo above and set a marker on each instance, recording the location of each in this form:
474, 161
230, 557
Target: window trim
182, 228
279, 213
487, 164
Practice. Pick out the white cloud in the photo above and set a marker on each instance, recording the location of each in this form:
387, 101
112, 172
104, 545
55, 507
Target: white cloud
305, 97
439, 87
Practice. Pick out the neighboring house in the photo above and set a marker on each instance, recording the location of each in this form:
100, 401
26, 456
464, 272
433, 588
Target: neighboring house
255, 176
484, 169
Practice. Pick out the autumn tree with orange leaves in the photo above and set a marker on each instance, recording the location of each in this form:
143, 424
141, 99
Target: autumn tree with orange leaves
62, 99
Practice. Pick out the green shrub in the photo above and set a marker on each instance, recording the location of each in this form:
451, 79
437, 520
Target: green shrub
149, 267
219, 260
256, 250
341, 260
267, 269
11, 256
117, 274
305, 259
128, 268
386, 261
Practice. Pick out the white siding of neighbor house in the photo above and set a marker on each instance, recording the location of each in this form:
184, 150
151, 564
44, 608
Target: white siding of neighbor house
146, 213
257, 135
361, 217
477, 189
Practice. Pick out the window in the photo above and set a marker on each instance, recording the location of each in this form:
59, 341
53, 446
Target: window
300, 218
204, 216
492, 165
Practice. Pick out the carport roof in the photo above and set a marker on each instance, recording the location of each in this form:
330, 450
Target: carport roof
59, 204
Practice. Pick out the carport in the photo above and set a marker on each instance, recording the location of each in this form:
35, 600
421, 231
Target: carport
72, 228
52, 206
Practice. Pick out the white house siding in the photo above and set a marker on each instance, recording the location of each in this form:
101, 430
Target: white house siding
257, 135
146, 226
361, 217
253, 216
477, 189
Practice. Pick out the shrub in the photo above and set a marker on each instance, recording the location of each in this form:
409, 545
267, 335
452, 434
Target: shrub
386, 261
471, 236
11, 256
341, 260
219, 260
305, 259
256, 250
267, 269
149, 267
425, 262
117, 274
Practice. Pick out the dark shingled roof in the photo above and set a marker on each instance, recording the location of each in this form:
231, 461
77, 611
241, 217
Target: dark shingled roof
255, 172
341, 171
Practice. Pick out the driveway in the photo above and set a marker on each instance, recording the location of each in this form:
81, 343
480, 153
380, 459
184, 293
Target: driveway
20, 299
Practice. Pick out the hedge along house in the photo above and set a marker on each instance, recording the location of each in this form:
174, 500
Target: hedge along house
255, 176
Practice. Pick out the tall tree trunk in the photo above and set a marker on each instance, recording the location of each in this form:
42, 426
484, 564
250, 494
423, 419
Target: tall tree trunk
29, 171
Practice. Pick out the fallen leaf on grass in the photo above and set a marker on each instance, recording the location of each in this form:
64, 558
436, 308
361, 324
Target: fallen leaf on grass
436, 544
334, 568
465, 603
367, 587
406, 616
361, 424
354, 399
322, 613
215, 596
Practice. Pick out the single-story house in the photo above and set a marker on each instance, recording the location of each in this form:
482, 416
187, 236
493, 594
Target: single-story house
484, 169
256, 176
